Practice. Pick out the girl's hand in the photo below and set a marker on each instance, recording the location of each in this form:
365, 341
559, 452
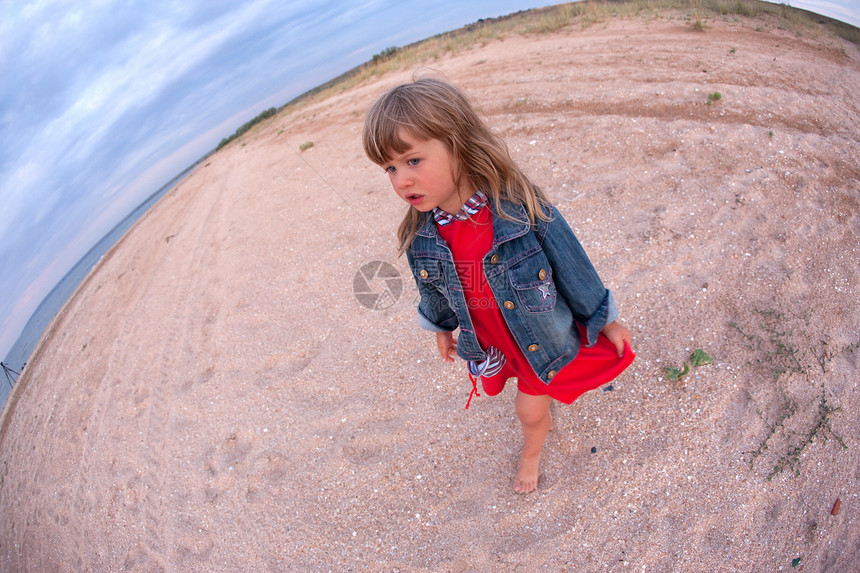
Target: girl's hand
618, 335
447, 346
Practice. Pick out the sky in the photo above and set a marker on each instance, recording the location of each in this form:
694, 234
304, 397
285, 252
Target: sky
103, 102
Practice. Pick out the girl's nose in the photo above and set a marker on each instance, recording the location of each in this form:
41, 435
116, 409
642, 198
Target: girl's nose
400, 181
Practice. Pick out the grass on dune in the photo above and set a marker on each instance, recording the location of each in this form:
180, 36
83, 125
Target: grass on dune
552, 19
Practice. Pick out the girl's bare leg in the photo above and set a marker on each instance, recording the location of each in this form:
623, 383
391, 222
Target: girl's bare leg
534, 415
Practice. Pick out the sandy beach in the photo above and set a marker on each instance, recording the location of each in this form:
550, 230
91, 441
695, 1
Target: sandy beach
215, 397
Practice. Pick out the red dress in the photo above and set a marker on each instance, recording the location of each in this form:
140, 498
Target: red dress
471, 239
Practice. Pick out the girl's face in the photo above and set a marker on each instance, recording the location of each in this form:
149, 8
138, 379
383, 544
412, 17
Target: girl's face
426, 175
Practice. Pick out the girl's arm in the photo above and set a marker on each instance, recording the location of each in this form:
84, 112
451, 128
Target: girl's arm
447, 346
576, 280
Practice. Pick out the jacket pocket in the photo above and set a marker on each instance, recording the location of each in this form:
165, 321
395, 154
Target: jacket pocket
427, 271
435, 305
431, 280
533, 284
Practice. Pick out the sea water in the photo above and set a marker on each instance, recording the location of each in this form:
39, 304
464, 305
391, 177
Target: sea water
20, 352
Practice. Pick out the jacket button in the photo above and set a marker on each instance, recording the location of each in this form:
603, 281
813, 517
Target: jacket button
550, 374
424, 274
494, 259
542, 274
533, 347
509, 305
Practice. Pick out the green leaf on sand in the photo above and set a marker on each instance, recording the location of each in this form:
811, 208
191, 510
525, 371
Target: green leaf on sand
676, 374
699, 357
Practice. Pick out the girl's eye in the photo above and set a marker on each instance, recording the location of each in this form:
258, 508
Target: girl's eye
413, 162
390, 169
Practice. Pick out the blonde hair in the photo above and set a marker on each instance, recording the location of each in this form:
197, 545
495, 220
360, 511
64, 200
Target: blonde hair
432, 108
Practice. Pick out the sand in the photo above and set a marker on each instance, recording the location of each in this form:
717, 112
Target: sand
215, 398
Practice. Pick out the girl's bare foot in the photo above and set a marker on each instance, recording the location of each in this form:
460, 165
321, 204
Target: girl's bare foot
527, 474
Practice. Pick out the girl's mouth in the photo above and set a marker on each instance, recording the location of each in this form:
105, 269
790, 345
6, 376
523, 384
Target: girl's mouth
413, 198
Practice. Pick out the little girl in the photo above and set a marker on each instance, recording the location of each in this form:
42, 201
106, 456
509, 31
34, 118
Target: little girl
492, 256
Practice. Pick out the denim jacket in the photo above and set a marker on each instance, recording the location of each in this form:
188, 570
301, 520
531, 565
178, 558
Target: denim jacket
541, 279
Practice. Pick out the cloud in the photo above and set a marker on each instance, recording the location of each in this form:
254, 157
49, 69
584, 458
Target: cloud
100, 71
845, 11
